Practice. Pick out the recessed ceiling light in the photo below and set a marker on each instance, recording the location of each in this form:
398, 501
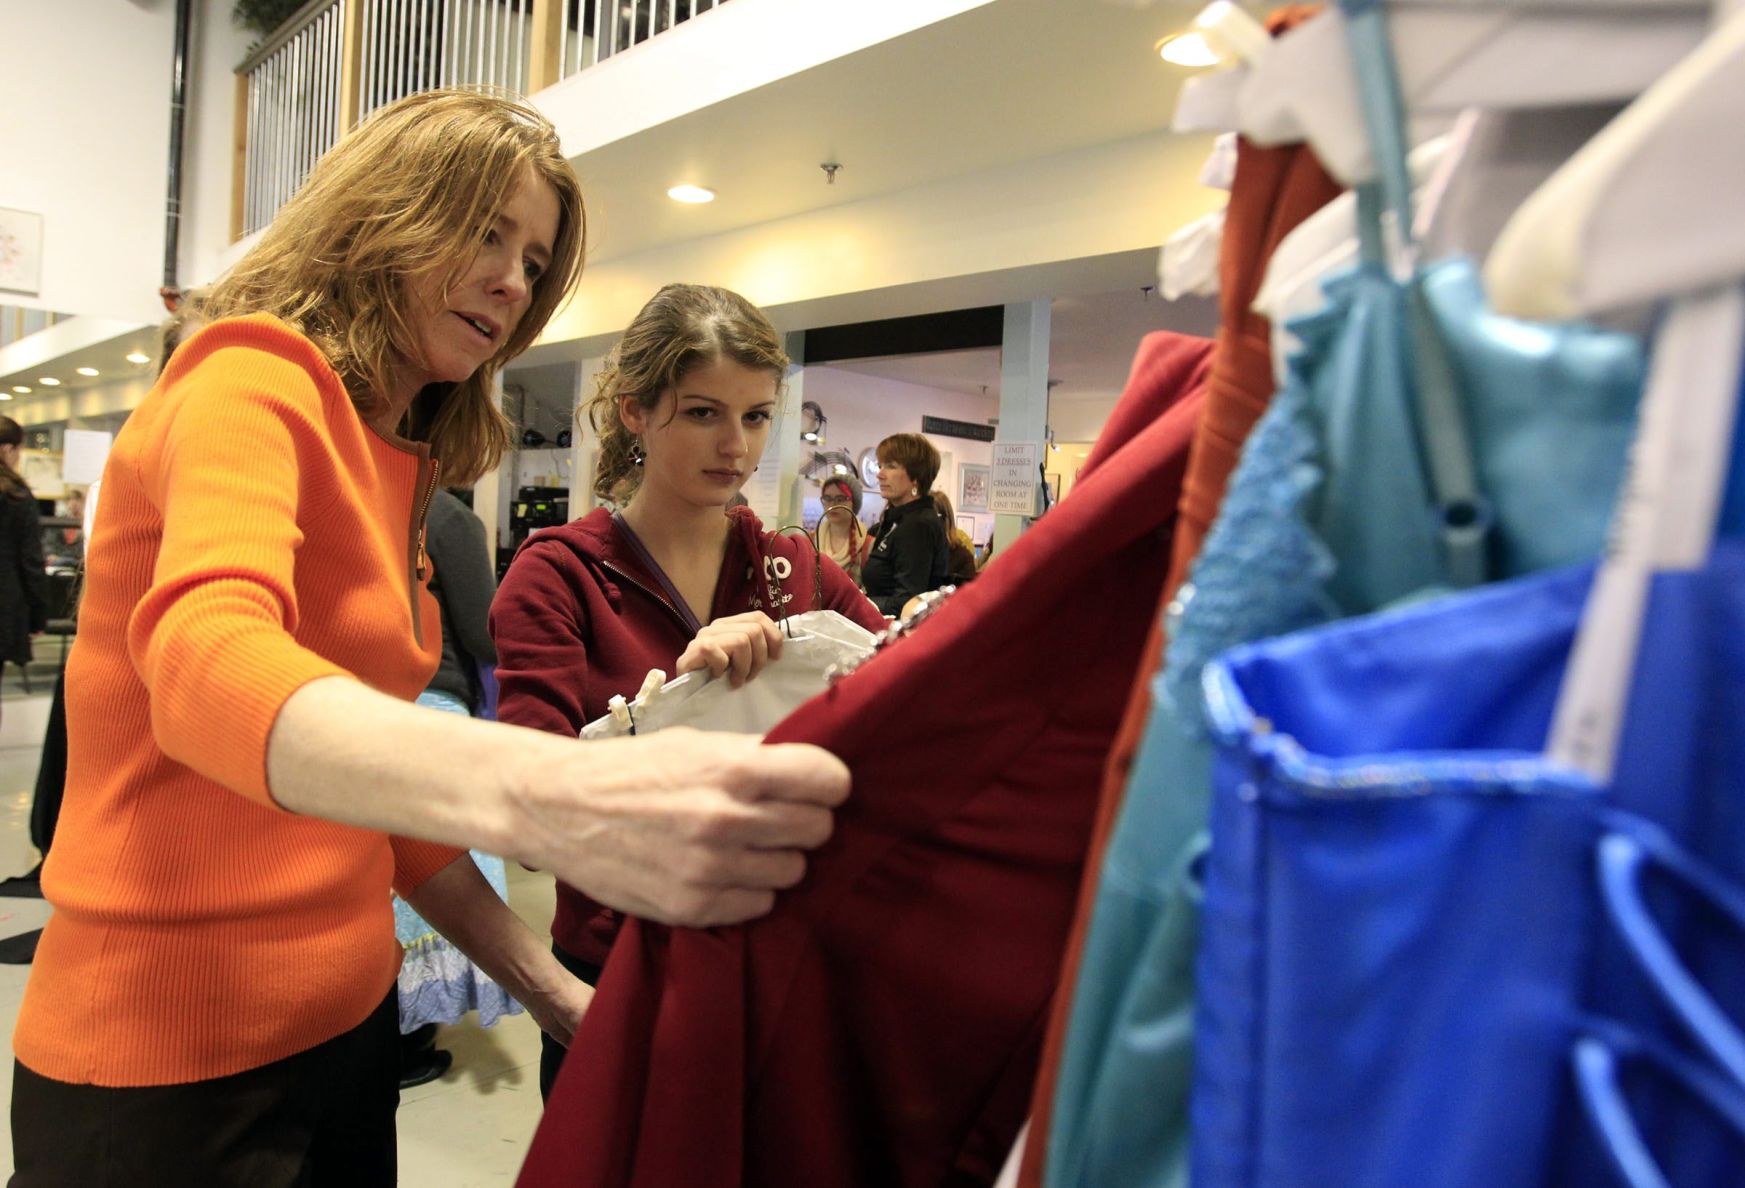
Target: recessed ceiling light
48, 381
5, 395
21, 389
1187, 49
138, 357
88, 371
692, 195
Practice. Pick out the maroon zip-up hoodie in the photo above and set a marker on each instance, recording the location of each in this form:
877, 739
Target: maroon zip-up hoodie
581, 618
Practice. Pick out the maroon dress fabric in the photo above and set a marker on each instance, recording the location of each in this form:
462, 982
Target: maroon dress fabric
882, 1026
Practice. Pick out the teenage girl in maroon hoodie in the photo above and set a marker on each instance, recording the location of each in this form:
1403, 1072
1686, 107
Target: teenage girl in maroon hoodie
676, 579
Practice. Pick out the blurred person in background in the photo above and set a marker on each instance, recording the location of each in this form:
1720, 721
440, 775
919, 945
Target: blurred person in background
961, 550
23, 581
840, 535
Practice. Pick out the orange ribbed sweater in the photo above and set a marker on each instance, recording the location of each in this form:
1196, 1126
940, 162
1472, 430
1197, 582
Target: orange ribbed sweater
254, 534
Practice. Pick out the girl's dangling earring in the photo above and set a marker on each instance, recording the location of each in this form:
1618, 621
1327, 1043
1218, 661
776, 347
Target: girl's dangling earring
637, 457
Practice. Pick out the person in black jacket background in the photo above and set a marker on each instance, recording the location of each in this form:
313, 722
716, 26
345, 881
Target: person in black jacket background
23, 584
909, 555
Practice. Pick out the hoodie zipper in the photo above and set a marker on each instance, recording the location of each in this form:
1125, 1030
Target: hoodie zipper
419, 571
672, 610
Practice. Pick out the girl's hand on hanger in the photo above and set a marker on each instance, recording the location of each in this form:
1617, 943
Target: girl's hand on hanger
737, 646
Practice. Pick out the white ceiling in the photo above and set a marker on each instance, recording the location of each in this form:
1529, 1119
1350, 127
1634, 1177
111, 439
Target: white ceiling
108, 358
1009, 81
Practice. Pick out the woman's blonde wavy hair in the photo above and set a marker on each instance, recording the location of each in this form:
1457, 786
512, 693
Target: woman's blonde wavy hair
682, 328
407, 194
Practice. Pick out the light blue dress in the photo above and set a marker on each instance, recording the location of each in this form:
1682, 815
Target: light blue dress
1325, 517
437, 982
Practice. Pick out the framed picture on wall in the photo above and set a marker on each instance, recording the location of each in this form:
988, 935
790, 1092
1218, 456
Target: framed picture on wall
972, 487
20, 251
967, 525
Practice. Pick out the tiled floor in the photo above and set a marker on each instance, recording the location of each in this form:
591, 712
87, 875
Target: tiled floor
468, 1129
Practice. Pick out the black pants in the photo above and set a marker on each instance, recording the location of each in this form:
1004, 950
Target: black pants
51, 773
551, 1053
319, 1118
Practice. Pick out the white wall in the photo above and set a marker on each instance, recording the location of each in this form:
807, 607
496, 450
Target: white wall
86, 89
864, 410
208, 140
86, 145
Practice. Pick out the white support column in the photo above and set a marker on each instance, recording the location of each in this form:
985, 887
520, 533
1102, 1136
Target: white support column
787, 459
1023, 393
584, 442
771, 490
488, 491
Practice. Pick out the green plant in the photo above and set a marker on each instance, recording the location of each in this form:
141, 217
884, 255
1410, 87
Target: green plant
261, 17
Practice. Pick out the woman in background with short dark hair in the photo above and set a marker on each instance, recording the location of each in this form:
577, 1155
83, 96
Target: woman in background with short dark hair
909, 554
23, 584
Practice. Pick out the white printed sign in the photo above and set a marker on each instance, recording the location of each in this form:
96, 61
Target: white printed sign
1012, 488
83, 452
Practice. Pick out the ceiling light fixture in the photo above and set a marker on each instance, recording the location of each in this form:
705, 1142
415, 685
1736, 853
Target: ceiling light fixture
5, 395
138, 357
1188, 49
21, 389
87, 371
691, 195
48, 381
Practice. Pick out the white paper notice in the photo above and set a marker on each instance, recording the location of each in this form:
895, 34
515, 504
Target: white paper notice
83, 452
1012, 487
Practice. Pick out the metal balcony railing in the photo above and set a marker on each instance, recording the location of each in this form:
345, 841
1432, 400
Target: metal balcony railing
593, 30
416, 45
292, 108
336, 61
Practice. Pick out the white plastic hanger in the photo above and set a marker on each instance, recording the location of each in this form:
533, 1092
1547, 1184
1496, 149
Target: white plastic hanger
1188, 264
1665, 521
1648, 208
1456, 55
1208, 102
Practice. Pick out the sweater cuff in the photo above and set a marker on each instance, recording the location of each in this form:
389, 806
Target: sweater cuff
416, 861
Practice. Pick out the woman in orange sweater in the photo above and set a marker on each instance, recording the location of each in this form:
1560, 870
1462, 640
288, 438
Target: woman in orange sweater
213, 1000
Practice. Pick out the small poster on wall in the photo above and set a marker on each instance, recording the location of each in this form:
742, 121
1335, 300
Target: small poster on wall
41, 472
1012, 488
972, 495
20, 251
